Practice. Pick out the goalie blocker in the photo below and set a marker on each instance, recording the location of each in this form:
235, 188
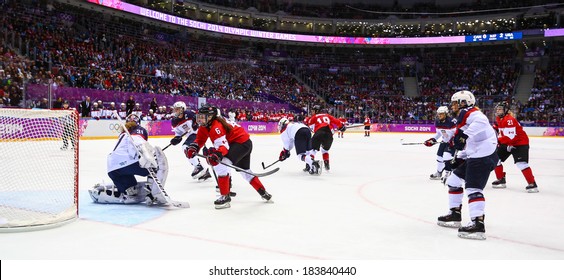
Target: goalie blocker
133, 155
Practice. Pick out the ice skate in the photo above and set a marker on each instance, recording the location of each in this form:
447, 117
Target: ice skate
532, 188
315, 168
452, 220
265, 195
222, 202
435, 176
326, 164
205, 176
474, 230
306, 169
198, 171
499, 183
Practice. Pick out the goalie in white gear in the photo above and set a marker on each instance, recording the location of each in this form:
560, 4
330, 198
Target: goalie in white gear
124, 162
184, 123
298, 135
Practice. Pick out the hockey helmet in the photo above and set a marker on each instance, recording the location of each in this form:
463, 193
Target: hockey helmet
502, 109
178, 108
442, 110
463, 98
206, 114
282, 124
316, 109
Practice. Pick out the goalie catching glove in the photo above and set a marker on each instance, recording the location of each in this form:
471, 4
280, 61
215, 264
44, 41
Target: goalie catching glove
430, 142
214, 156
192, 150
284, 154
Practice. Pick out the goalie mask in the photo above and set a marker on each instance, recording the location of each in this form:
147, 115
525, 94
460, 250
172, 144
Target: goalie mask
502, 109
282, 124
178, 108
206, 114
131, 121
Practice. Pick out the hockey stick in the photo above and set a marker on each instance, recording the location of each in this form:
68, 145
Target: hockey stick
354, 125
245, 171
177, 204
171, 143
265, 167
411, 143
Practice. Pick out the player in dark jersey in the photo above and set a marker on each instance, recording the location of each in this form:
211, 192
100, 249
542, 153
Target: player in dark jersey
445, 127
184, 124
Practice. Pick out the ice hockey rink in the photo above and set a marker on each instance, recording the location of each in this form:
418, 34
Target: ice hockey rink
375, 204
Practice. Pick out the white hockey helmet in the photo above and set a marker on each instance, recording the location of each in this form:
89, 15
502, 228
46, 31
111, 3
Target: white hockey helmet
282, 123
463, 96
178, 108
442, 110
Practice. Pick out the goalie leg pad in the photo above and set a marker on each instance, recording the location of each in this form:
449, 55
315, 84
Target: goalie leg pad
109, 194
162, 171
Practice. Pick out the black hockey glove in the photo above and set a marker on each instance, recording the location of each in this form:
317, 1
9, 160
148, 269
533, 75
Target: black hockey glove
176, 140
459, 141
456, 162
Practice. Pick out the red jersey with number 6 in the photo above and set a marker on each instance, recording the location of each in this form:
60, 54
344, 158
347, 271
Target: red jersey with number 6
220, 137
320, 120
511, 133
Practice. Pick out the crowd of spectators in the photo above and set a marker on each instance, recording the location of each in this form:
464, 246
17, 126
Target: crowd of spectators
57, 45
546, 102
345, 18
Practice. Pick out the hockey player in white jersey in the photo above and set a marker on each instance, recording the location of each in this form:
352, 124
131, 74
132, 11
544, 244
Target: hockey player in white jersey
125, 162
298, 135
184, 124
445, 127
476, 141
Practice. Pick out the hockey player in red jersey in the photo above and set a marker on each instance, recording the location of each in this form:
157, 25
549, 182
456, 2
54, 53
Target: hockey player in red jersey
513, 140
321, 124
340, 134
231, 145
367, 124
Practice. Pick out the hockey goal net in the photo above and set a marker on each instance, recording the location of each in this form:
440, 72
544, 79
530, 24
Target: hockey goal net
39, 170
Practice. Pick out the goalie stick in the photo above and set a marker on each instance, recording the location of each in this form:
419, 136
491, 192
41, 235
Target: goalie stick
245, 171
177, 204
265, 167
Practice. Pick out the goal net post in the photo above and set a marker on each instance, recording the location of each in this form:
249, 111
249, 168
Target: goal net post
39, 171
